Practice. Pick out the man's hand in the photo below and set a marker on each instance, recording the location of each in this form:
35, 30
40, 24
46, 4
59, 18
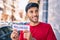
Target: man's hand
27, 35
14, 35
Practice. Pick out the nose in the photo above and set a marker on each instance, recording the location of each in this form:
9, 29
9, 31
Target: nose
34, 13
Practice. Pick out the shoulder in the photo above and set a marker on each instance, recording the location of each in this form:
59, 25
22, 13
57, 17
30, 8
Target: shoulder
45, 25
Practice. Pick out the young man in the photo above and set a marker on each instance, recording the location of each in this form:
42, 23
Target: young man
38, 30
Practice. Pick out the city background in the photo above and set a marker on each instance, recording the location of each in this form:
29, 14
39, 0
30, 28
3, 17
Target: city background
14, 11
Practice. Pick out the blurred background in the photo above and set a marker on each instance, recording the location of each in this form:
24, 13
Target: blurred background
12, 11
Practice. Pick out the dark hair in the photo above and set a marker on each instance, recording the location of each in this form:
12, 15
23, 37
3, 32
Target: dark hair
29, 5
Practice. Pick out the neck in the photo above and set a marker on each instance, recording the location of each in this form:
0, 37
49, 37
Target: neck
33, 23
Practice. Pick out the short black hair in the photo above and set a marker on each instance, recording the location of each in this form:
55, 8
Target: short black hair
29, 5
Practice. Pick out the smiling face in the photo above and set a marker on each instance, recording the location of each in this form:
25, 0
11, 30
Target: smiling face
33, 14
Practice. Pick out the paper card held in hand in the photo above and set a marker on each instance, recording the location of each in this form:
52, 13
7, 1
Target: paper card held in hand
21, 27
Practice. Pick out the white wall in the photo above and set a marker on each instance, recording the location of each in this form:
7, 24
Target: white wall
54, 16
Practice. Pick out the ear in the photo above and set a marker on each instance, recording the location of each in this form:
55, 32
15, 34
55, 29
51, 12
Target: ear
26, 17
27, 14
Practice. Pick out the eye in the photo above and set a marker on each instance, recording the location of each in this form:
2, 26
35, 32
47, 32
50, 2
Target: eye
36, 11
31, 11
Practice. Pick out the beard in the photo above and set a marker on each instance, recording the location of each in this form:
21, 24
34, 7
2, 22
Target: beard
34, 19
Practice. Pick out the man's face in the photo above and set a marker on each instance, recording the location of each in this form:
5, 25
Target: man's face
33, 14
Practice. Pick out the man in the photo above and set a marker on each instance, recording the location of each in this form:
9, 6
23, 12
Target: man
38, 30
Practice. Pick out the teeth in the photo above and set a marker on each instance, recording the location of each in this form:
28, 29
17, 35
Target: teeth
35, 17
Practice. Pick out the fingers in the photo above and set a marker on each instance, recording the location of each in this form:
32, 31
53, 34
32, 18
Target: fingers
15, 31
14, 34
27, 34
25, 31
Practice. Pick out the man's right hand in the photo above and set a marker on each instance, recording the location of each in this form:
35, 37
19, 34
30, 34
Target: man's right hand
14, 35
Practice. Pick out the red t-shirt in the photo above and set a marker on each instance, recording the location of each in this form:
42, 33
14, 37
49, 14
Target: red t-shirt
42, 31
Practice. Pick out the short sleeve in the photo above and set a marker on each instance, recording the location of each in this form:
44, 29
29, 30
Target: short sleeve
51, 35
